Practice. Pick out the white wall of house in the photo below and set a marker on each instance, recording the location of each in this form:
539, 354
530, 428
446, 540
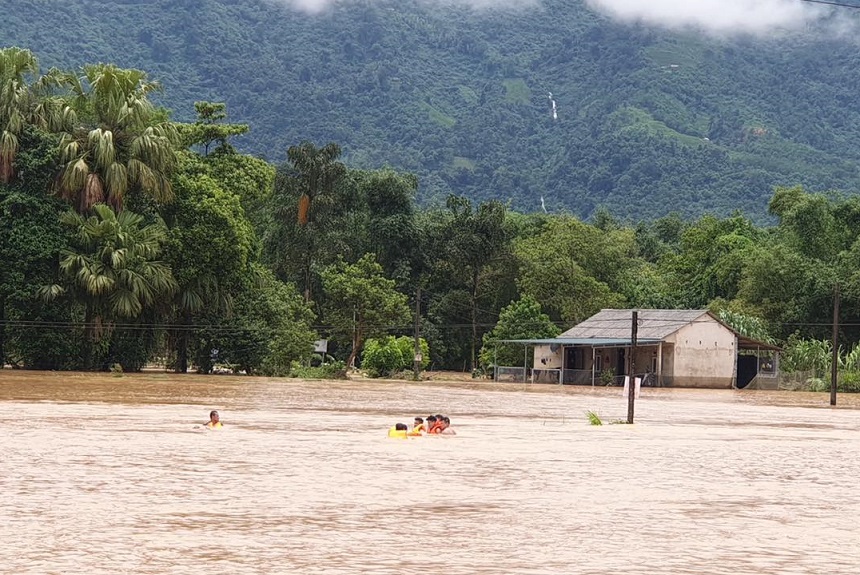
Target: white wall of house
545, 358
704, 355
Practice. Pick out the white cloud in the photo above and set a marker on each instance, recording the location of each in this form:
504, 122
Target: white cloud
315, 6
716, 16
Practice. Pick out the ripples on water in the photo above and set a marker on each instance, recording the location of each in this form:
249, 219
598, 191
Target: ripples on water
105, 475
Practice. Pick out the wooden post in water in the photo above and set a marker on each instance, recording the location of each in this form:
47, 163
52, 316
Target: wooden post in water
835, 360
631, 389
417, 359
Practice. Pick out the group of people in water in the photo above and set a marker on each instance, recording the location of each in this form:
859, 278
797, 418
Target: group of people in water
433, 425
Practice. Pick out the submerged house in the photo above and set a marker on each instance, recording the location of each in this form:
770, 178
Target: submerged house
680, 348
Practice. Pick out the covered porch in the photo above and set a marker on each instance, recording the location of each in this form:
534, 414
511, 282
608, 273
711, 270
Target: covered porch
587, 361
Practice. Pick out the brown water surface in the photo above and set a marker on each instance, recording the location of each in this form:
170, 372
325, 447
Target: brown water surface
112, 475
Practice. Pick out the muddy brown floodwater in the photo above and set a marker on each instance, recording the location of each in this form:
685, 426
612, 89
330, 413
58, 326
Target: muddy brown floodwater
108, 475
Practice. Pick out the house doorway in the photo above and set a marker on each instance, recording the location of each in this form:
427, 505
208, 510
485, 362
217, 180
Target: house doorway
621, 362
747, 370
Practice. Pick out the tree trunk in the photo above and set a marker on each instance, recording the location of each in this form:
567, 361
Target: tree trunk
307, 278
474, 318
89, 335
182, 354
2, 332
182, 345
356, 341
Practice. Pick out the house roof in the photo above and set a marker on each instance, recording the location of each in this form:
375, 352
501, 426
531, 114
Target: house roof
655, 324
585, 341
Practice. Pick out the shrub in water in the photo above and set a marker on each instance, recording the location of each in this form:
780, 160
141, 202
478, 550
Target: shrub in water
593, 418
389, 355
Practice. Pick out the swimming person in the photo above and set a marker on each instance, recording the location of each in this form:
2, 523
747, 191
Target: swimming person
436, 428
430, 423
399, 430
418, 427
446, 427
214, 420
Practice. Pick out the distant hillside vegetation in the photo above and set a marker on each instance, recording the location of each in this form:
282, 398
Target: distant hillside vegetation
648, 121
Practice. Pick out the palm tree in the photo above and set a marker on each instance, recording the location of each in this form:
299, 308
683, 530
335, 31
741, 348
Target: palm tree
15, 65
202, 292
122, 144
113, 269
317, 171
23, 103
305, 191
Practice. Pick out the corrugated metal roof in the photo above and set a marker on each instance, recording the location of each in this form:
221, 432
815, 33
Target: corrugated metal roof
596, 342
611, 327
654, 324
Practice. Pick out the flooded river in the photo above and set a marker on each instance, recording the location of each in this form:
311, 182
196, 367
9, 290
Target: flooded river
109, 475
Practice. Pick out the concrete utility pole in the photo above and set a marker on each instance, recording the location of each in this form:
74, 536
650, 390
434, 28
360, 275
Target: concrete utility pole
631, 389
835, 361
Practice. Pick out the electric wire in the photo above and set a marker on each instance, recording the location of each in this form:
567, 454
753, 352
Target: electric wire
832, 3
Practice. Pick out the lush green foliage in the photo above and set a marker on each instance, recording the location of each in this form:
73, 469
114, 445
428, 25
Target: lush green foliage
522, 319
245, 264
649, 121
363, 303
389, 355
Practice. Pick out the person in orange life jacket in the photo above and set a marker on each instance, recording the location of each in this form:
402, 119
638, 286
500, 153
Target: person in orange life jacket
437, 425
446, 427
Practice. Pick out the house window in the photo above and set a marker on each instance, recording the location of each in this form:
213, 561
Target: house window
575, 358
654, 362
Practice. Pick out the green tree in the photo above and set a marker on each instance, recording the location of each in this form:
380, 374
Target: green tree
250, 179
711, 259
112, 269
15, 65
392, 228
477, 240
209, 128
362, 302
522, 319
31, 238
785, 288
305, 206
807, 223
120, 144
210, 245
387, 356
25, 99
574, 269
268, 328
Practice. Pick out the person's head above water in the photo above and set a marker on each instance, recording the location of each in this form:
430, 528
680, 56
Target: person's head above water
418, 421
431, 420
214, 417
401, 427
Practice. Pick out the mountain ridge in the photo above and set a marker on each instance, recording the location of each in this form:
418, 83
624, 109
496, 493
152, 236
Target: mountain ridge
649, 121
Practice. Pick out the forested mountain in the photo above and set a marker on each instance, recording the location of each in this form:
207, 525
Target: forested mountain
648, 121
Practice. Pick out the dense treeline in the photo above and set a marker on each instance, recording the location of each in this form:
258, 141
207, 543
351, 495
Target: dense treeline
126, 238
649, 121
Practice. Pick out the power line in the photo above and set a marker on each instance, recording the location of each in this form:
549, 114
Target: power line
832, 3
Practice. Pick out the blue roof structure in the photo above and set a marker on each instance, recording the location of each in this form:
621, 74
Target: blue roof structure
585, 341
